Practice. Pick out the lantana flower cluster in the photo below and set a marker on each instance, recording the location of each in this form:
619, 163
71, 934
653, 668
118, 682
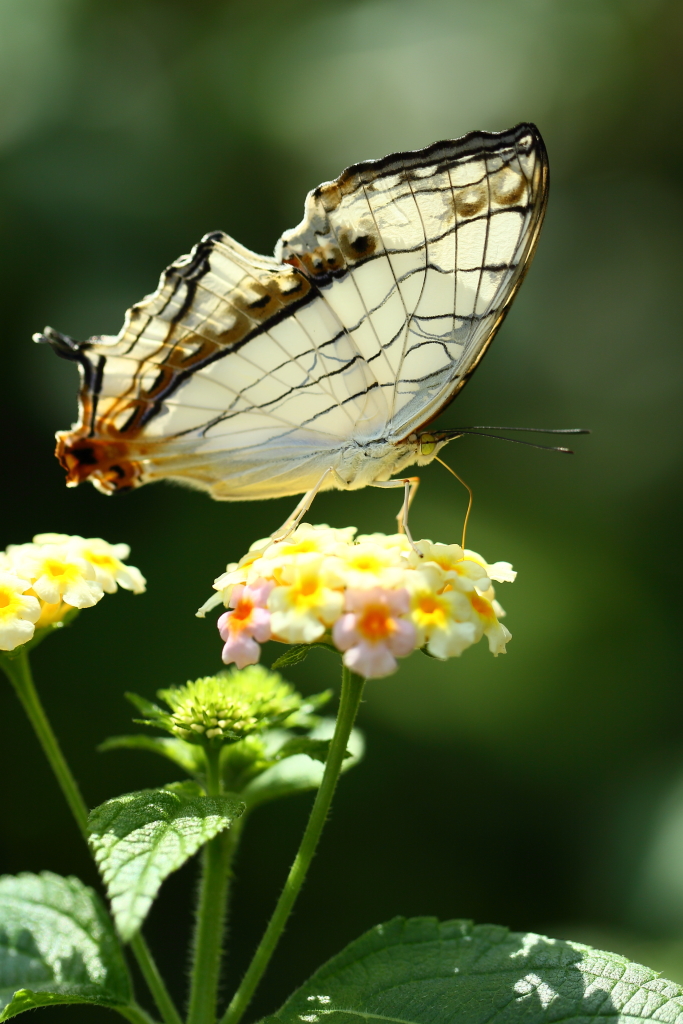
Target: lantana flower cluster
56, 573
375, 597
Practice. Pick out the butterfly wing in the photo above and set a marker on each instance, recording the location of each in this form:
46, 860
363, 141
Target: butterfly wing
434, 246
248, 376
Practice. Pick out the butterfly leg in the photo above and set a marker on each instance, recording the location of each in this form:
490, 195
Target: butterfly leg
410, 485
291, 522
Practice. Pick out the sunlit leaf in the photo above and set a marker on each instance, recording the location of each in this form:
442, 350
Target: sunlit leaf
140, 838
57, 945
422, 972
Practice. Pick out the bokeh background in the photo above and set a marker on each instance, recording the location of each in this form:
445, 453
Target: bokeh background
542, 790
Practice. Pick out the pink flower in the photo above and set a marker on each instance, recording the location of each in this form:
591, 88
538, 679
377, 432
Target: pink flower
248, 623
373, 632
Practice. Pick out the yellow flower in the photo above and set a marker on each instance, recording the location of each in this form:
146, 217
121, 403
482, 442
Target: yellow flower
18, 611
108, 562
494, 631
501, 572
303, 606
265, 557
325, 582
364, 565
58, 574
383, 540
443, 619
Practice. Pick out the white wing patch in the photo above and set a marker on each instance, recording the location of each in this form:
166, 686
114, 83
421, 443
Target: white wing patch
249, 376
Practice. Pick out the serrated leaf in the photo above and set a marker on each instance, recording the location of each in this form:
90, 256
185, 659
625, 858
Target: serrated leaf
297, 653
300, 772
189, 756
422, 972
140, 838
57, 945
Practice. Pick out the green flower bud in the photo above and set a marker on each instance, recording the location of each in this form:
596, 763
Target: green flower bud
225, 707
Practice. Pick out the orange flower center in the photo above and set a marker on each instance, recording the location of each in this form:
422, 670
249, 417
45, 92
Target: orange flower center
241, 613
56, 568
308, 587
482, 606
376, 623
4, 599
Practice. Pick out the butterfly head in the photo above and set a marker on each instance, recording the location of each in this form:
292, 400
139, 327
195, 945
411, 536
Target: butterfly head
428, 444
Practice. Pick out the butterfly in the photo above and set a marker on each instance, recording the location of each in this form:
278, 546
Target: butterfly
255, 377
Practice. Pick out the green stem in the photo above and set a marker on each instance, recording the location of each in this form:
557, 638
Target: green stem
352, 690
18, 671
211, 908
135, 1014
155, 983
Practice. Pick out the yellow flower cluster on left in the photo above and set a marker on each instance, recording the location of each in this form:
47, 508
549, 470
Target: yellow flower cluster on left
40, 582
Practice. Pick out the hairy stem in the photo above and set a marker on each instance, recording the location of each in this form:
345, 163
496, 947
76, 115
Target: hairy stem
352, 690
135, 1014
18, 671
155, 983
212, 908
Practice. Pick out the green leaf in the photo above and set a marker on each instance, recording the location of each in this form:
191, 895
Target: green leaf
300, 772
317, 749
57, 945
189, 756
422, 972
140, 838
297, 653
144, 706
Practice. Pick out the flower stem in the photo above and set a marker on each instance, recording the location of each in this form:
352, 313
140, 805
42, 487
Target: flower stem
135, 1014
18, 671
155, 983
211, 908
352, 690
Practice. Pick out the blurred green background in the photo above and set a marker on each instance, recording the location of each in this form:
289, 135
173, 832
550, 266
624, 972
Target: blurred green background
542, 790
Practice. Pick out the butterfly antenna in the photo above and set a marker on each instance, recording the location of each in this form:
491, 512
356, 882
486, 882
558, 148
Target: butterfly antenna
452, 434
538, 430
469, 503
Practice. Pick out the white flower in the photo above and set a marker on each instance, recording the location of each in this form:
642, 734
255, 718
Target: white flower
108, 562
304, 605
57, 575
366, 565
376, 595
444, 620
18, 613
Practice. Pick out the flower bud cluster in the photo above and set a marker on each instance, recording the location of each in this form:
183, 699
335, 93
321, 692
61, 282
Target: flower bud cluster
42, 581
375, 597
228, 706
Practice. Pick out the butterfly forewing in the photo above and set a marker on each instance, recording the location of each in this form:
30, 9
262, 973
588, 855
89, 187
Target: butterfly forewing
249, 376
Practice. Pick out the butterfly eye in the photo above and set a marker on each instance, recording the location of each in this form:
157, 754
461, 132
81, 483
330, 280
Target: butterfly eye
427, 444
